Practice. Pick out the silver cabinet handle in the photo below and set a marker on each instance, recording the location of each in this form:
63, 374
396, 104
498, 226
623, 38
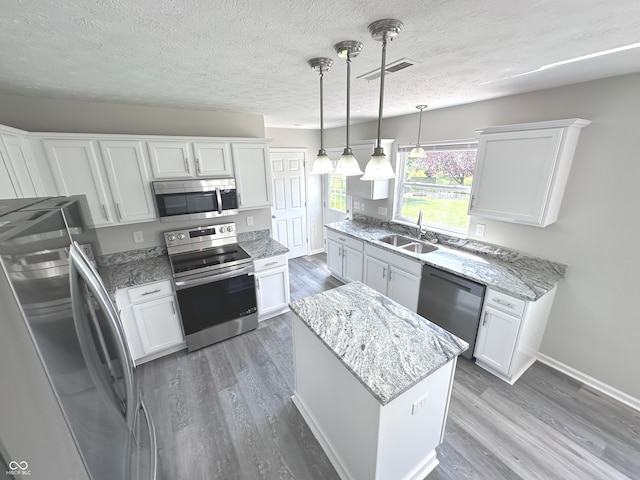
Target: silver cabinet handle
384, 271
106, 212
501, 302
389, 274
173, 308
473, 199
120, 217
186, 165
257, 283
270, 263
484, 320
150, 292
342, 239
198, 169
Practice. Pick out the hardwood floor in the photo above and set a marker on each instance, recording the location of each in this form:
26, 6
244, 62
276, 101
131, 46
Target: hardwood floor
225, 412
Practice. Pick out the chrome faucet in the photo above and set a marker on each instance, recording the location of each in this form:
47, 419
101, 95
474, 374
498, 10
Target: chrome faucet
419, 223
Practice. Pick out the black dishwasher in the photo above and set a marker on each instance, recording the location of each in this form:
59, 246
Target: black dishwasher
451, 302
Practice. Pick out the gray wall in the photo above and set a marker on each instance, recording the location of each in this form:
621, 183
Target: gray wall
594, 326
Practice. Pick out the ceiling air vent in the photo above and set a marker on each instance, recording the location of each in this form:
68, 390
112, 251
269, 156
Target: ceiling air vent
392, 67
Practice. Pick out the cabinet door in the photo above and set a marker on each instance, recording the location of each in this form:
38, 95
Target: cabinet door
404, 288
334, 258
129, 180
170, 159
272, 291
376, 274
496, 339
19, 157
213, 159
513, 176
253, 175
9, 187
76, 170
158, 324
351, 264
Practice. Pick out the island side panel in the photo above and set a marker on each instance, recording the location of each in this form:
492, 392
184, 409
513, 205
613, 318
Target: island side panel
342, 414
412, 426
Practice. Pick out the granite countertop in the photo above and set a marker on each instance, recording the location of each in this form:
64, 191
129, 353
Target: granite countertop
386, 346
138, 267
511, 272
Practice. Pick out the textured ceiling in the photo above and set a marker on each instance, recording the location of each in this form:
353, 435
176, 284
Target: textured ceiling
251, 56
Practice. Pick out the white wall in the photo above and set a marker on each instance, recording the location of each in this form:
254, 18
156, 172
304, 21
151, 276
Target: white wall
594, 326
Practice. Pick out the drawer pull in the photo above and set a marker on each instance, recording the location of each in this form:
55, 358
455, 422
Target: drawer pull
270, 263
501, 302
342, 239
151, 292
173, 308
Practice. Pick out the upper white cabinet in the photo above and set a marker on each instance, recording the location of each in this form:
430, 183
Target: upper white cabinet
116, 183
18, 179
521, 170
369, 189
77, 169
253, 174
180, 158
170, 159
129, 180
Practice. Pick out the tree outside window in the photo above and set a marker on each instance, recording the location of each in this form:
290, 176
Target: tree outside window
438, 184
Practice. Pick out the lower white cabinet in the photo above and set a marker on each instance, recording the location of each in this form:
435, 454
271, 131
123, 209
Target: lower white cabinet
510, 333
272, 286
393, 275
151, 320
344, 257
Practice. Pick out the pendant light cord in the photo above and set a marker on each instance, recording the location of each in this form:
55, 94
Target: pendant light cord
347, 148
419, 125
321, 112
384, 57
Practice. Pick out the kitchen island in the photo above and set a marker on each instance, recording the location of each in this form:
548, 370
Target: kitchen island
373, 381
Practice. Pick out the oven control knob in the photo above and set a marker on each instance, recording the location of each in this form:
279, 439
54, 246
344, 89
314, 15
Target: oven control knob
221, 229
181, 236
230, 228
171, 237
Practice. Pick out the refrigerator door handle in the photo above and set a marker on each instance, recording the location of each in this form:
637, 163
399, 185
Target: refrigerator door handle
153, 445
78, 263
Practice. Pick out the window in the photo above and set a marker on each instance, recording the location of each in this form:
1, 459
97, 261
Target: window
439, 184
338, 192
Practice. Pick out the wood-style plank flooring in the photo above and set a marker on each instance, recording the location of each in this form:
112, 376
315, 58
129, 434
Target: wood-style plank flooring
225, 412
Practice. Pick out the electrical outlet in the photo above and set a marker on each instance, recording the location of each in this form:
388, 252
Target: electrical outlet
480, 229
382, 210
419, 404
250, 220
138, 237
356, 205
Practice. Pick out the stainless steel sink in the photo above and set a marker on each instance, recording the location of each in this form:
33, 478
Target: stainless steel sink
396, 240
419, 247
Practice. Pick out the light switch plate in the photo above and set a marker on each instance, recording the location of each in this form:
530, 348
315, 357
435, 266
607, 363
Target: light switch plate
480, 229
250, 220
138, 237
382, 210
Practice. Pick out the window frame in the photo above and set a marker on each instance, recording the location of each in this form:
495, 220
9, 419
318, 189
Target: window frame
401, 157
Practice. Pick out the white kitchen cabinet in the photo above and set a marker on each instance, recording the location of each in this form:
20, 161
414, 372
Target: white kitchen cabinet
253, 174
521, 170
393, 275
272, 286
77, 169
18, 178
170, 159
371, 189
344, 256
212, 159
129, 180
151, 320
510, 333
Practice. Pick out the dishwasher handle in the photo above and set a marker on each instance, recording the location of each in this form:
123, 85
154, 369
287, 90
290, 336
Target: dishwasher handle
461, 283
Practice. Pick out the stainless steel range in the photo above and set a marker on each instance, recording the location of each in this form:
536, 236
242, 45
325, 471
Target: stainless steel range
214, 283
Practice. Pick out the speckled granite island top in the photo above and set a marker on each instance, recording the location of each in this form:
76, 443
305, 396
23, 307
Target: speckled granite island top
386, 346
511, 272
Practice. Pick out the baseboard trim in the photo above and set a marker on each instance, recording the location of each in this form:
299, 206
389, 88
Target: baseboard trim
592, 382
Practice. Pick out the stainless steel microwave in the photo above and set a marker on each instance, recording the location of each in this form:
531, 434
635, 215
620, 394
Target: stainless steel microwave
193, 199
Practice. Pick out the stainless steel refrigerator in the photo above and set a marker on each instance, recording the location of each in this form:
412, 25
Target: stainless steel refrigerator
70, 403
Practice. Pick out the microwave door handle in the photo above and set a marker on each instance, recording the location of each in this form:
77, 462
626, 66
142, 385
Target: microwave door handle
87, 345
219, 197
115, 330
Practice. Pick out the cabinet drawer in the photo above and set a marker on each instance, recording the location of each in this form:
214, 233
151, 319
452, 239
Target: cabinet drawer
270, 262
150, 291
505, 303
345, 240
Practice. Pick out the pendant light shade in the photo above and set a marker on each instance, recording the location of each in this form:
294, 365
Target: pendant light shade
348, 164
418, 151
379, 167
322, 163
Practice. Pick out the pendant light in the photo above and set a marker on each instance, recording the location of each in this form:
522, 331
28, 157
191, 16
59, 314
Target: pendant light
348, 165
418, 151
322, 163
379, 167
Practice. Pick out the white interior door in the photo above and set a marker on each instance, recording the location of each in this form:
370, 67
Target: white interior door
289, 211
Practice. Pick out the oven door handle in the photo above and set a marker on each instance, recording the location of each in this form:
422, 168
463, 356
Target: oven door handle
194, 282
